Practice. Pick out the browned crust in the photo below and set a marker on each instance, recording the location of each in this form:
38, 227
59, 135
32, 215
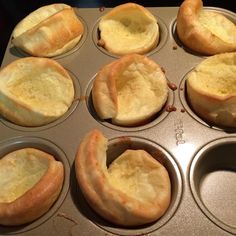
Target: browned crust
110, 203
60, 39
36, 201
195, 36
104, 93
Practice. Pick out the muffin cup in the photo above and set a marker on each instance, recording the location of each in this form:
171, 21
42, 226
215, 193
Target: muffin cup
212, 179
173, 138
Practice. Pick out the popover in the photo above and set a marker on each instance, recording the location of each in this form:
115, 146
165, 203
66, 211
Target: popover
211, 89
205, 31
48, 31
134, 190
129, 28
34, 91
130, 90
30, 182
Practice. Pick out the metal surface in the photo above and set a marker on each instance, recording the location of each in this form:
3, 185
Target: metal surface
213, 182
198, 157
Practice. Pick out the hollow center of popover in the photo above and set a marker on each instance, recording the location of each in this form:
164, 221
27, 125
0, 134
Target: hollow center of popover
139, 177
18, 174
127, 30
218, 25
216, 79
41, 89
140, 91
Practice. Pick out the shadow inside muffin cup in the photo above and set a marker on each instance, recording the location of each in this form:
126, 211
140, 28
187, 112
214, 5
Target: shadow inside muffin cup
47, 146
228, 14
212, 179
59, 120
163, 34
18, 52
154, 120
116, 147
180, 44
188, 108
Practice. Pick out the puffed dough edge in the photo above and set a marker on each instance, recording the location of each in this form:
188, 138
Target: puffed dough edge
105, 93
126, 7
195, 36
109, 202
58, 42
215, 109
36, 201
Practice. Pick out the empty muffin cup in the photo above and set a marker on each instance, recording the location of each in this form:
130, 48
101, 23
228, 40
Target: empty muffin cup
212, 179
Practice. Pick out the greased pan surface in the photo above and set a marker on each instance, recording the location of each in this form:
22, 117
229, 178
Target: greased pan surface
200, 159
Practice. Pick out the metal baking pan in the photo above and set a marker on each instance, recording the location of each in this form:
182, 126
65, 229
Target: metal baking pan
200, 159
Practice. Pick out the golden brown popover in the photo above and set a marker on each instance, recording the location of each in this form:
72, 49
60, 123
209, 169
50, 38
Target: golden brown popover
130, 90
211, 89
205, 31
34, 91
134, 190
129, 28
48, 31
30, 182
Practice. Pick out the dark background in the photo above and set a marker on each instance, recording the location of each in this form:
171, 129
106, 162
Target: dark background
12, 11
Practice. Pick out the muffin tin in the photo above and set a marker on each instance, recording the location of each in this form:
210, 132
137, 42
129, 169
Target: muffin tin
200, 158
